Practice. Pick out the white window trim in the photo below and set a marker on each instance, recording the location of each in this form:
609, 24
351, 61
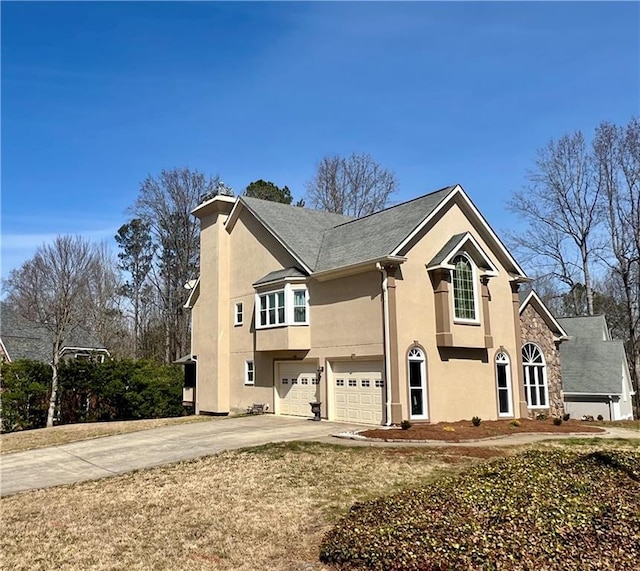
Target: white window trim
238, 316
417, 355
528, 385
507, 363
249, 367
476, 305
289, 313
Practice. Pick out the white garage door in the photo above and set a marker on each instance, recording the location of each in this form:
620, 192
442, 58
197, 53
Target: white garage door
297, 386
358, 389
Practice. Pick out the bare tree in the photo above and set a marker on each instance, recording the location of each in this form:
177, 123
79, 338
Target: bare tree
561, 205
164, 204
617, 152
54, 290
354, 186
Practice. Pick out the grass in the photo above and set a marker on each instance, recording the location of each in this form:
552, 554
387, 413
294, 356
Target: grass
260, 508
628, 424
57, 435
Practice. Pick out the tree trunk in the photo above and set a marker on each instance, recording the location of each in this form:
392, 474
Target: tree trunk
587, 278
54, 388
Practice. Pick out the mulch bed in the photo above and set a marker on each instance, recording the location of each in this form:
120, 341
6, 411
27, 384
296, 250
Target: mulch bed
465, 430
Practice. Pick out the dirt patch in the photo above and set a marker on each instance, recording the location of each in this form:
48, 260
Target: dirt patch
465, 430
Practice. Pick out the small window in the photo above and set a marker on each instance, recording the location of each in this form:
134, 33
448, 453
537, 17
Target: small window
315, 381
339, 382
285, 381
238, 314
249, 373
304, 381
294, 381
365, 383
379, 383
300, 306
353, 382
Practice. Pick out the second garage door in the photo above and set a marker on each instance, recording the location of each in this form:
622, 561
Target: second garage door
297, 386
358, 391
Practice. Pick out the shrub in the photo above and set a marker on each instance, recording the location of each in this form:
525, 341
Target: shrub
600, 417
566, 416
557, 421
587, 512
476, 420
542, 416
515, 422
26, 386
405, 425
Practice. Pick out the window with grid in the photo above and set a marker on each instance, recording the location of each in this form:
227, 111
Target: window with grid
535, 376
238, 314
300, 306
249, 373
272, 308
464, 296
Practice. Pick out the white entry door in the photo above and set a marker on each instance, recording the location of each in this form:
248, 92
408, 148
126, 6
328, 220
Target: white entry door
297, 385
358, 391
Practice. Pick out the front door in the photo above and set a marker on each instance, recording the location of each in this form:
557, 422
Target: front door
417, 385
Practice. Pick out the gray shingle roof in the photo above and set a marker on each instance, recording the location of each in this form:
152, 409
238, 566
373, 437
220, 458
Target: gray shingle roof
446, 250
279, 275
24, 339
377, 235
299, 228
592, 327
592, 366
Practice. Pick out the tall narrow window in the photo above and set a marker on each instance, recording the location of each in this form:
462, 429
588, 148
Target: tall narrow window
417, 384
238, 314
503, 381
464, 296
299, 306
535, 376
249, 373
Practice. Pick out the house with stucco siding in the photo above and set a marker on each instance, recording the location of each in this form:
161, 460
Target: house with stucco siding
409, 313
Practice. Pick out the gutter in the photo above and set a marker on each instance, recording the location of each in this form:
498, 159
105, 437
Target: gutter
387, 348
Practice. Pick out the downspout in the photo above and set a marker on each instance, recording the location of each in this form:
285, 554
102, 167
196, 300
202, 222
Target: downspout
387, 347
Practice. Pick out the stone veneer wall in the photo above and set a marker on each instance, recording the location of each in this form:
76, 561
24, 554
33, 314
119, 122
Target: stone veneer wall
535, 330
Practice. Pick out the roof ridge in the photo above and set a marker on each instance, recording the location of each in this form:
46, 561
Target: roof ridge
450, 187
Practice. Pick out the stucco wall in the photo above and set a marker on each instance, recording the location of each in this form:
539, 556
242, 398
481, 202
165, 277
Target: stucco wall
535, 330
461, 381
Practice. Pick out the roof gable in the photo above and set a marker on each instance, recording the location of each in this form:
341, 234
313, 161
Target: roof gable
460, 243
534, 300
298, 229
323, 242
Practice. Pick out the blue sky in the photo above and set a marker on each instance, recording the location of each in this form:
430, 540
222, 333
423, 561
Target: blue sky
96, 96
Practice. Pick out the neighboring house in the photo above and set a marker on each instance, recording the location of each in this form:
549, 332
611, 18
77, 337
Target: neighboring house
23, 339
595, 372
409, 313
542, 336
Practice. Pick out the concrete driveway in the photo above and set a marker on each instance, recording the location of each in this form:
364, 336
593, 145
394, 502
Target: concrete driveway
91, 459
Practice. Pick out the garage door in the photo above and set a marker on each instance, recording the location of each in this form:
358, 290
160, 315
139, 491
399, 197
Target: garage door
358, 389
297, 386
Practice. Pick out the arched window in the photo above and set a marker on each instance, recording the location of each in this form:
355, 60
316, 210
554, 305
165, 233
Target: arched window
464, 293
503, 382
417, 384
535, 376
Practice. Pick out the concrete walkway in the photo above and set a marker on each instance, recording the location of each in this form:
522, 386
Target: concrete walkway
100, 457
92, 459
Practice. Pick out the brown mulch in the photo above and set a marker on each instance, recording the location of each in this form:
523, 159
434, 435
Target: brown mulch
464, 430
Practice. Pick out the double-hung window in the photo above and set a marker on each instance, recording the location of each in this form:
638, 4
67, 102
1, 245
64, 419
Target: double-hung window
238, 314
286, 306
